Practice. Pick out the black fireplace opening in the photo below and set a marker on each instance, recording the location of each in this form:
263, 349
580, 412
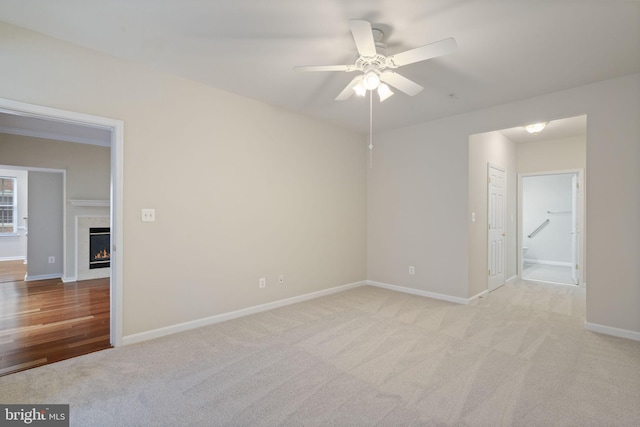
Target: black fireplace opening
99, 247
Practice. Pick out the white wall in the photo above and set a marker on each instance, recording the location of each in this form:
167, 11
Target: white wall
418, 196
494, 148
241, 189
540, 194
15, 247
552, 155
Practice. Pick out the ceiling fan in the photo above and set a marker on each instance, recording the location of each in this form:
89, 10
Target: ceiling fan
376, 68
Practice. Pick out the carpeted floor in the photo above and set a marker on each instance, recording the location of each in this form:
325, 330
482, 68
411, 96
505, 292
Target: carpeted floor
368, 356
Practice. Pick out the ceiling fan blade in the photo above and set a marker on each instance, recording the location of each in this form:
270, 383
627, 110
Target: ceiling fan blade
401, 83
363, 36
325, 68
425, 52
348, 91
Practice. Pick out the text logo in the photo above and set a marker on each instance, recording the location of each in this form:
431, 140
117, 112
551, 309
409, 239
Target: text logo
34, 415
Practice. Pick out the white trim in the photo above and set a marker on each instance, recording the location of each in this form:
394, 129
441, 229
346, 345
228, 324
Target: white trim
51, 135
68, 279
512, 279
186, 326
90, 203
543, 262
117, 195
480, 295
422, 293
616, 332
28, 278
12, 258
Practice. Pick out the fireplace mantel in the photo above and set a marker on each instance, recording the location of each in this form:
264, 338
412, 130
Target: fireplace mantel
90, 203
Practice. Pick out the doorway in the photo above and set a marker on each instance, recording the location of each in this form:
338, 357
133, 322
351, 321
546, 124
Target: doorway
116, 131
559, 148
37, 199
551, 227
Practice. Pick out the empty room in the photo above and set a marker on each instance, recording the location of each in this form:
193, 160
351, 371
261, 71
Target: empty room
328, 213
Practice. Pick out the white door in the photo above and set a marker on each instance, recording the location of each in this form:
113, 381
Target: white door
496, 225
575, 229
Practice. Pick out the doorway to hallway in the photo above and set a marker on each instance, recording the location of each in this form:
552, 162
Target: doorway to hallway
550, 237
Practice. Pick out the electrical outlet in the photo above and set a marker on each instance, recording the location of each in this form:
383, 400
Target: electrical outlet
148, 215
52, 260
281, 279
262, 282
412, 270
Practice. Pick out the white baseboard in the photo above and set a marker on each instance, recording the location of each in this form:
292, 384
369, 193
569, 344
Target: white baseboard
12, 258
422, 293
512, 279
67, 279
616, 332
543, 262
480, 295
28, 278
186, 326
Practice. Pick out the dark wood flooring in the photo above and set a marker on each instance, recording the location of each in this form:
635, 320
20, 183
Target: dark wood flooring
47, 321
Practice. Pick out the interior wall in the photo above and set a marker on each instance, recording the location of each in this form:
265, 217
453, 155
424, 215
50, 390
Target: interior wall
242, 190
15, 247
88, 176
46, 217
493, 148
420, 188
552, 154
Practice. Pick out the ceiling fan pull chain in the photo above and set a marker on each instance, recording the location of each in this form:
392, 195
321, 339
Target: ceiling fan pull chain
370, 129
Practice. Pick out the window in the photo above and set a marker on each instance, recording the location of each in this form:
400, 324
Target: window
8, 205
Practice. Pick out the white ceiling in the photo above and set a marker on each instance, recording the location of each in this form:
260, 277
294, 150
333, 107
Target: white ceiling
507, 50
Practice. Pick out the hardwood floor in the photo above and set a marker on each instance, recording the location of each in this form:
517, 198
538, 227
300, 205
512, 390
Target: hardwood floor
12, 271
47, 321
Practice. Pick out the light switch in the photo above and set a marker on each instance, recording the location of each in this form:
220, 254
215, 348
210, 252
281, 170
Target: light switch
148, 215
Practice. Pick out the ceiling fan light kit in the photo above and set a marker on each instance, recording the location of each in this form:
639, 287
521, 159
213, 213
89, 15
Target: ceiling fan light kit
384, 92
371, 80
375, 67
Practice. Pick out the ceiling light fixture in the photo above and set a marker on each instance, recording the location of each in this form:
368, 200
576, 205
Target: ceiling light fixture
384, 92
360, 90
371, 80
535, 128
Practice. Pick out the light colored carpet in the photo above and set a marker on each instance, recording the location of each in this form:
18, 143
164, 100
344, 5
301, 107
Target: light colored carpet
368, 356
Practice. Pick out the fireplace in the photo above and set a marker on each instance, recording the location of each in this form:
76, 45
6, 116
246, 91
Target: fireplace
99, 247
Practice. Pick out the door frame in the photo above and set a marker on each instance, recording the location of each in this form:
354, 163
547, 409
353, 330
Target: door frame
116, 198
581, 220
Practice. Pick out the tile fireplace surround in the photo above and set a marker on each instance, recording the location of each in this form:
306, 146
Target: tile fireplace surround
83, 224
